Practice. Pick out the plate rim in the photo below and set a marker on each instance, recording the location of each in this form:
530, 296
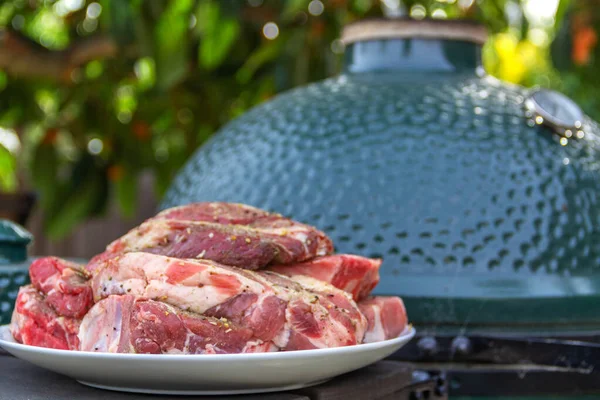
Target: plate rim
406, 336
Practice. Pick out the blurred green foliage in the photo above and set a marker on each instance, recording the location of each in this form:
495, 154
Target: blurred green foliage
163, 76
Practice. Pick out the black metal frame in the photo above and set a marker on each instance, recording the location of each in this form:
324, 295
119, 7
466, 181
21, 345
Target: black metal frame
432, 387
482, 382
574, 355
507, 366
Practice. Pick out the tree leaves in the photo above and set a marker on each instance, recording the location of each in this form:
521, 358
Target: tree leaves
268, 52
44, 169
561, 13
171, 43
562, 45
82, 195
74, 210
119, 15
126, 191
218, 34
8, 181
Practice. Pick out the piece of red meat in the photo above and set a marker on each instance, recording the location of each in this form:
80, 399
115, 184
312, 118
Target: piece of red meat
48, 312
241, 214
231, 234
386, 317
36, 323
65, 285
294, 315
218, 212
354, 274
126, 324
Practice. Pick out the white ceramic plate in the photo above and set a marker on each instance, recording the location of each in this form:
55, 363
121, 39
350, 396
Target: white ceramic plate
205, 374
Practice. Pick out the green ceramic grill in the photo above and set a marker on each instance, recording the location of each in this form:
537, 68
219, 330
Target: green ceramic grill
14, 265
481, 197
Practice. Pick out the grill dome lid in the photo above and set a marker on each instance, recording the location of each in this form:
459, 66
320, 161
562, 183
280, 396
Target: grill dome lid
484, 215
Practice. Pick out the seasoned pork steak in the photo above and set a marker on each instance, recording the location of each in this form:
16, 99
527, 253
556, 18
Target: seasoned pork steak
48, 312
65, 285
353, 274
35, 323
126, 324
230, 234
386, 318
294, 315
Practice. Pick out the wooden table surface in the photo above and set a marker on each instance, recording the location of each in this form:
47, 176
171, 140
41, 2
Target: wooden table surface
20, 380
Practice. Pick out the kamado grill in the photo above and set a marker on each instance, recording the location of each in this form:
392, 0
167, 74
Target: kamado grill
481, 197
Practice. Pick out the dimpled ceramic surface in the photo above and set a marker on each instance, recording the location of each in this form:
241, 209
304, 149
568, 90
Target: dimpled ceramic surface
439, 174
11, 279
14, 266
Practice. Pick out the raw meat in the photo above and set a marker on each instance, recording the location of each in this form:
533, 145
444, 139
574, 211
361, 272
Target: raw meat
48, 312
386, 318
253, 246
34, 322
126, 324
294, 315
241, 214
353, 274
220, 213
208, 278
65, 285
